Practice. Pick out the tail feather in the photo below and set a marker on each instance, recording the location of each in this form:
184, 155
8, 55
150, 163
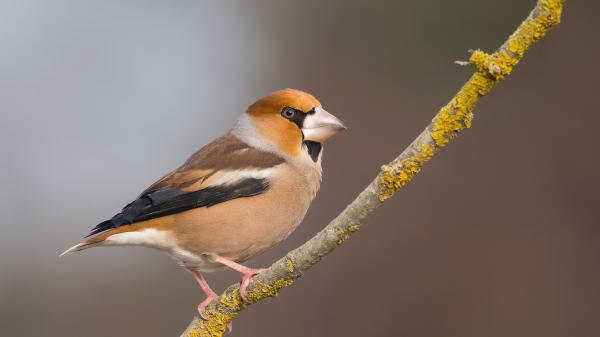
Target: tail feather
98, 236
92, 242
76, 248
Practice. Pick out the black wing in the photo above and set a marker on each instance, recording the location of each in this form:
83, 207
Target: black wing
169, 200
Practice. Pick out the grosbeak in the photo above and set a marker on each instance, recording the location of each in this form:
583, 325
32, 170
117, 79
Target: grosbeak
236, 197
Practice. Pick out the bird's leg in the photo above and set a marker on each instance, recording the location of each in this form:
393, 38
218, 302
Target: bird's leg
210, 294
246, 272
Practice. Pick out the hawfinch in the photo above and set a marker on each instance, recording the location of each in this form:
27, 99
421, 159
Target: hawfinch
236, 197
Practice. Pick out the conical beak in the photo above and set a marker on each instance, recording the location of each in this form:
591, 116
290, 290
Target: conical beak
321, 125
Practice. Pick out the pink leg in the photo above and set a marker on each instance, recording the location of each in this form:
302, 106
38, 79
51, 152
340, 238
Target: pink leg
210, 294
247, 274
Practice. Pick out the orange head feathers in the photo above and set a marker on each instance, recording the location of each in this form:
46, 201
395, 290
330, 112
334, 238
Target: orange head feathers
277, 100
288, 117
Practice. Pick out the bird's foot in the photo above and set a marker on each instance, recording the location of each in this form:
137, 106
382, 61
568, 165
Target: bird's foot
202, 306
246, 276
246, 272
202, 310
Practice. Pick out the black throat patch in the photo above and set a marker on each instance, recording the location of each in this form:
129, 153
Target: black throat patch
314, 149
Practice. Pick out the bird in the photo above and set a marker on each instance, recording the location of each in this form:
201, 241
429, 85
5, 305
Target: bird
236, 197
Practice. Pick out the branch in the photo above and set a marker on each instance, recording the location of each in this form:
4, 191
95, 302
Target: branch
445, 126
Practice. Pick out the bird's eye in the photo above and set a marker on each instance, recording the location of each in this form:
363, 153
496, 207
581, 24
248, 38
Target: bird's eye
288, 113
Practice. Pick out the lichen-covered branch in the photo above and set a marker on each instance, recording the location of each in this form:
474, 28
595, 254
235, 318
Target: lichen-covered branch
451, 119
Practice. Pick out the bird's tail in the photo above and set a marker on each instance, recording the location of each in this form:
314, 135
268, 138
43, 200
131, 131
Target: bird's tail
89, 243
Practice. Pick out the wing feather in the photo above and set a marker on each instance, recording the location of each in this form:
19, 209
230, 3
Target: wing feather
237, 171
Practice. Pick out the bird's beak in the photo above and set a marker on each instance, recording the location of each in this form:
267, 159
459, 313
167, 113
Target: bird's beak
321, 125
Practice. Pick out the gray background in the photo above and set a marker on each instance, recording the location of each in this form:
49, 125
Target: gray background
497, 237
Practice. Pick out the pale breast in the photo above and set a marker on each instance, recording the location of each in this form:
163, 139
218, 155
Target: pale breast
242, 228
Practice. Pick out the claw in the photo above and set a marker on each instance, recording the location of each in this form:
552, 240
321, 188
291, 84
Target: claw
202, 306
246, 276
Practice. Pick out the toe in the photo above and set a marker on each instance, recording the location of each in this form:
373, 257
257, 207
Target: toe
244, 289
202, 306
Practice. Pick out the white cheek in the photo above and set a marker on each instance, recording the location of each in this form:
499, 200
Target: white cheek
147, 237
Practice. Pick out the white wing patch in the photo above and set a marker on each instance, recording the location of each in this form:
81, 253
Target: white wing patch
224, 177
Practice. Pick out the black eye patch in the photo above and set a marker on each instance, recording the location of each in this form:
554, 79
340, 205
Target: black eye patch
294, 115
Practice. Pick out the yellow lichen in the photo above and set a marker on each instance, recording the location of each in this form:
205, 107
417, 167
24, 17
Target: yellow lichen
498, 65
501, 63
264, 290
394, 177
232, 301
289, 265
457, 115
343, 234
216, 322
215, 325
553, 6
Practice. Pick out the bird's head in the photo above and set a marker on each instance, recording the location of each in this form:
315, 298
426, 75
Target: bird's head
288, 118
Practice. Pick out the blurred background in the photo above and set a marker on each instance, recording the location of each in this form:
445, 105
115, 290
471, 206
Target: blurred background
498, 236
